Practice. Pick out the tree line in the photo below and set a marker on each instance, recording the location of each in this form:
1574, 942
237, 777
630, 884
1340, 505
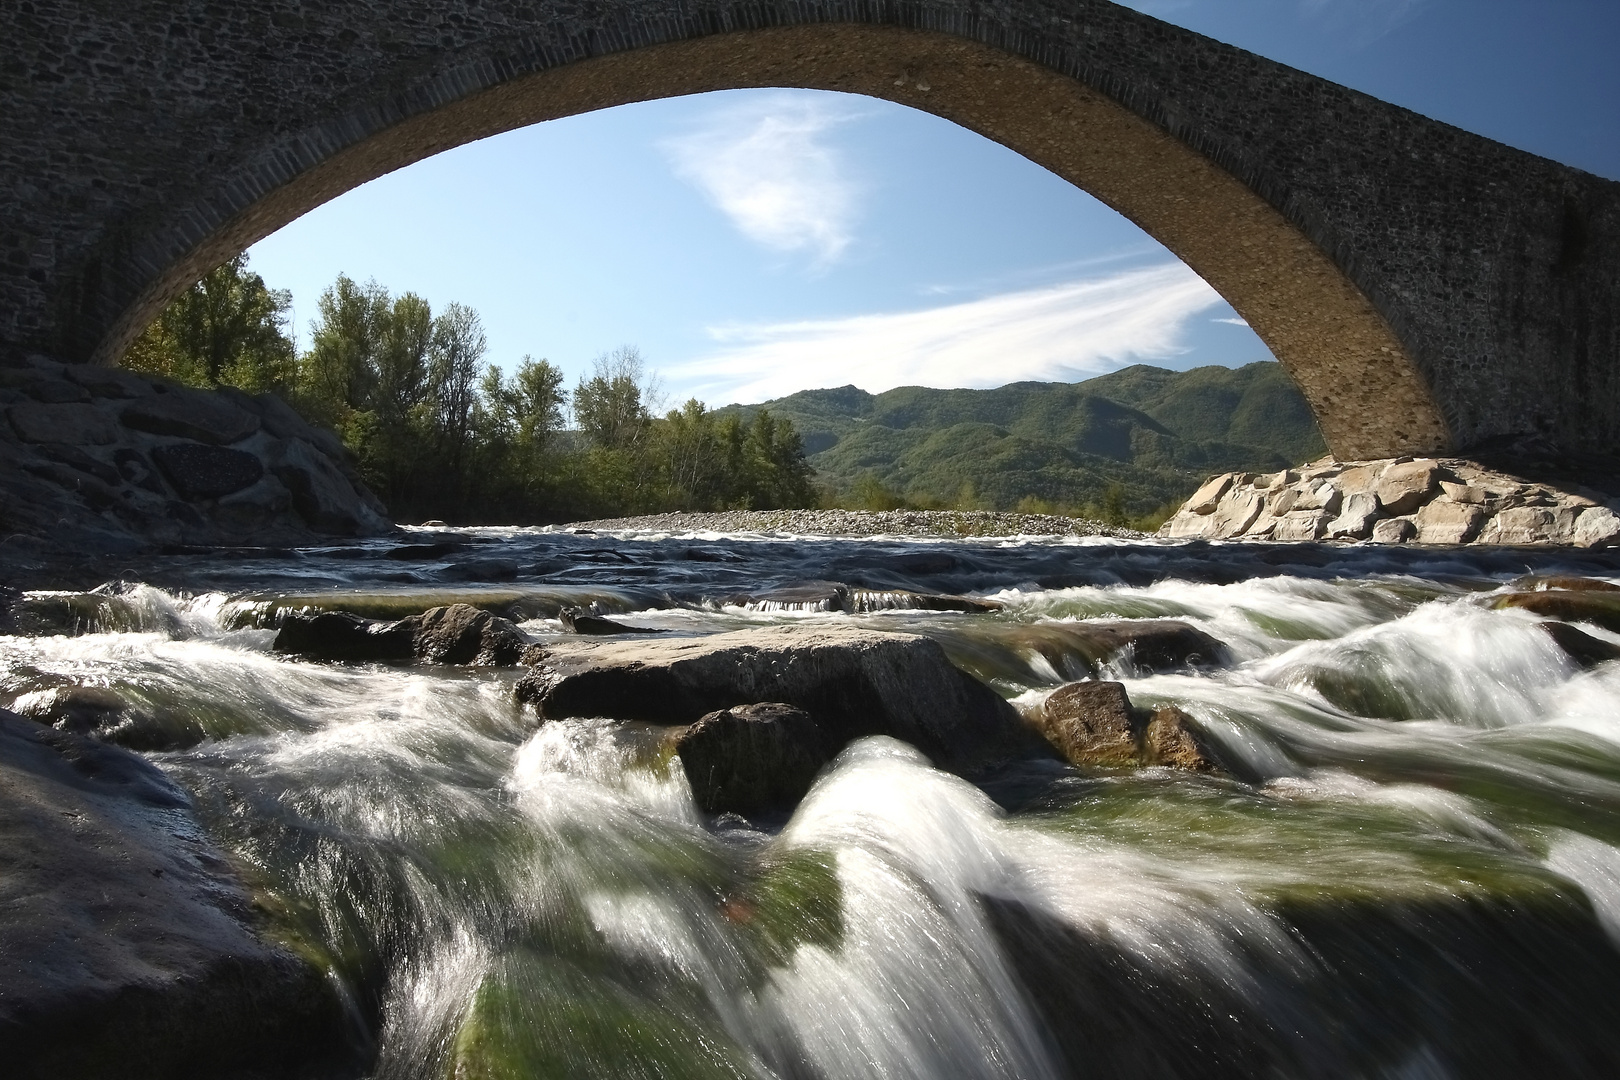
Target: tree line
440, 433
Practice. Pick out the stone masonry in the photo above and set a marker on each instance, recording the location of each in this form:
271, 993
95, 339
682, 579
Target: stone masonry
1429, 289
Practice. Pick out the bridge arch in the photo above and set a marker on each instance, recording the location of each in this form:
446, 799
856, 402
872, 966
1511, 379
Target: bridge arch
1363, 243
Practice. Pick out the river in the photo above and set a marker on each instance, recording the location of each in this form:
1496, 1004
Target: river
1409, 869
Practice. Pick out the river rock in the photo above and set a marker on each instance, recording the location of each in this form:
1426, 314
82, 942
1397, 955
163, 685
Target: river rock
127, 948
1527, 525
191, 414
462, 634
77, 425
751, 758
1406, 485
1445, 522
1208, 497
1091, 723
197, 471
1601, 608
56, 391
1298, 525
1151, 645
339, 636
1394, 531
1597, 527
580, 621
1094, 724
321, 493
1357, 514
1581, 647
852, 681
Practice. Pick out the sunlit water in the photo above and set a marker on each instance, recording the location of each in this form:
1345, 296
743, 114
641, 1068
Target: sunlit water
1411, 870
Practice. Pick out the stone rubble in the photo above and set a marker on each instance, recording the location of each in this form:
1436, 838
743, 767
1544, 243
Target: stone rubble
99, 461
1395, 501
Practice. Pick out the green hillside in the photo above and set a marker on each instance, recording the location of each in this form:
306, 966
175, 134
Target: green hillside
1155, 433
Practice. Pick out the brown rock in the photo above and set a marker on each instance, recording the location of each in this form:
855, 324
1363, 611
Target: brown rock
1405, 486
1172, 738
1599, 608
76, 425
1091, 723
1445, 522
583, 622
751, 758
1579, 646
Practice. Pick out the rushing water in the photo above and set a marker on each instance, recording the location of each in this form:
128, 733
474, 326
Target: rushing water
1411, 870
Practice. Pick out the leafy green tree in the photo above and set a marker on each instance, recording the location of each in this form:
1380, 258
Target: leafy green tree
611, 407
227, 329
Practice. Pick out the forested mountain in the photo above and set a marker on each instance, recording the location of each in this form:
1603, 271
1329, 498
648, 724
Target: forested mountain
1154, 433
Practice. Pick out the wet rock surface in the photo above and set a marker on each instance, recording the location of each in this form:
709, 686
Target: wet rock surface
457, 634
750, 759
1094, 724
128, 948
99, 461
1396, 501
853, 682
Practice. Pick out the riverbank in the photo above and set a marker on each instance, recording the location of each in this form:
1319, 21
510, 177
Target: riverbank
861, 523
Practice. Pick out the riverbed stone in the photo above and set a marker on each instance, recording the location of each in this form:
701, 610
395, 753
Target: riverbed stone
580, 621
340, 636
463, 634
1520, 525
1236, 512
75, 424
1445, 522
1585, 649
1172, 738
853, 681
750, 759
1297, 525
321, 494
1091, 723
1601, 608
128, 948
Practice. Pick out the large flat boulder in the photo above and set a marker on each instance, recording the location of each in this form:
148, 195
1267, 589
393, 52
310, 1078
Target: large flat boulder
853, 682
191, 414
451, 634
127, 947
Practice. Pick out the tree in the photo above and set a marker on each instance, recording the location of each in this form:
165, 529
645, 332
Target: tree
458, 347
611, 407
529, 408
227, 329
337, 375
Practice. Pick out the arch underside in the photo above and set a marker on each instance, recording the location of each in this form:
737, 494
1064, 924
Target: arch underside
1368, 395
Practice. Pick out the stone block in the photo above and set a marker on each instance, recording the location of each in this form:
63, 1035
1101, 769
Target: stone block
1445, 522
1405, 486
1597, 527
1299, 525
1236, 513
1522, 525
1356, 517
1320, 495
1394, 531
1208, 497
191, 414
1359, 479
73, 424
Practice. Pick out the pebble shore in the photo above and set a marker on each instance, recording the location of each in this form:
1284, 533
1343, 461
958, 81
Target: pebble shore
862, 523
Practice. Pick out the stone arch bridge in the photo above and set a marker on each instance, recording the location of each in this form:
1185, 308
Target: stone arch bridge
1428, 289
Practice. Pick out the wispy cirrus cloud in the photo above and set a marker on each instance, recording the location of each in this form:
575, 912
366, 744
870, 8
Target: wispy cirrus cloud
1362, 21
1056, 333
768, 165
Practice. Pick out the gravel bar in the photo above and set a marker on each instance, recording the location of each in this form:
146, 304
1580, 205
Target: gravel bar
860, 523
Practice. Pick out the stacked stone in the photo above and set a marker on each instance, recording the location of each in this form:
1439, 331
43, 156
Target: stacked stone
1394, 501
99, 460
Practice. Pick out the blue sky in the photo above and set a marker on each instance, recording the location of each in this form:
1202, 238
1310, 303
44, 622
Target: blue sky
753, 243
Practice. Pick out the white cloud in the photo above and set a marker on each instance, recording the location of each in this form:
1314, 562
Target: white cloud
1239, 321
1058, 333
767, 166
1363, 21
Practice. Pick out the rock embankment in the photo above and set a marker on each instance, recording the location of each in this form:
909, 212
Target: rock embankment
105, 461
861, 523
127, 946
1395, 501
